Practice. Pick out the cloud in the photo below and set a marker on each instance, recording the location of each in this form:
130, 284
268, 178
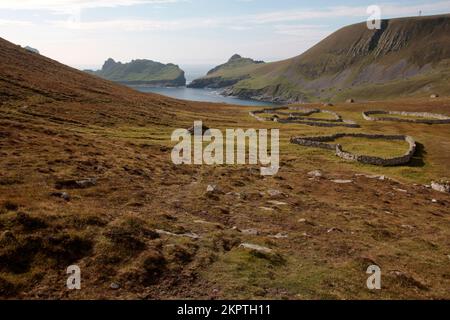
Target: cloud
15, 23
243, 22
67, 6
315, 31
345, 11
136, 24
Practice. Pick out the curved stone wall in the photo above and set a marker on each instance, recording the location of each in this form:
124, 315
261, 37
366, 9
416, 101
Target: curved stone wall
436, 118
321, 142
300, 117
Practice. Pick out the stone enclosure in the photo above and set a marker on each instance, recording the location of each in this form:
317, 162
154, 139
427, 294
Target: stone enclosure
301, 115
435, 118
324, 143
298, 115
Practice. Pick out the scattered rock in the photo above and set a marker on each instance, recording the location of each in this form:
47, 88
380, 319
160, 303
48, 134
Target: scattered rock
76, 184
266, 209
334, 229
191, 235
350, 100
255, 247
62, 195
30, 49
217, 225
441, 186
115, 286
277, 203
280, 235
339, 181
401, 190
274, 193
434, 201
434, 96
372, 176
250, 232
236, 194
188, 234
315, 173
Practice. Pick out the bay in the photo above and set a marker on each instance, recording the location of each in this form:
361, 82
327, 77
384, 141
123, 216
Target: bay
205, 95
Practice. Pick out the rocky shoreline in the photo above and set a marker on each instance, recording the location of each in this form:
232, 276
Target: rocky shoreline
259, 95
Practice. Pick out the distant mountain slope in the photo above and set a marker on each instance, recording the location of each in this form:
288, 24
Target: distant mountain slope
227, 74
407, 57
142, 72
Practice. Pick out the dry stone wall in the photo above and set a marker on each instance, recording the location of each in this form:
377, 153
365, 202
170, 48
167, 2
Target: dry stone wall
321, 142
300, 117
435, 117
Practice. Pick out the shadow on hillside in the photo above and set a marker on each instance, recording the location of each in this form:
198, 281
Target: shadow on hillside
417, 159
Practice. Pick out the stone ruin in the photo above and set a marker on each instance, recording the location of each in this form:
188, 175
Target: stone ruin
299, 115
435, 117
323, 142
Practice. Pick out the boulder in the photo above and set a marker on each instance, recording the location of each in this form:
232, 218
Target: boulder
441, 186
274, 193
315, 174
280, 235
255, 247
339, 181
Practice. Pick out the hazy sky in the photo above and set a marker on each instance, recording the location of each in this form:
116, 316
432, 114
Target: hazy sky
83, 33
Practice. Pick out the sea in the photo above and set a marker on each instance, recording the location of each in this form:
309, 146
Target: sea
205, 95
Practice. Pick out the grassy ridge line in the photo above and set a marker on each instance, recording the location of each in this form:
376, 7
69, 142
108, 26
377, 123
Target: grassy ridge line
355, 62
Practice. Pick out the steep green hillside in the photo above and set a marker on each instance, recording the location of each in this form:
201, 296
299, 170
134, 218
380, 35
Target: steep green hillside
236, 69
407, 57
142, 72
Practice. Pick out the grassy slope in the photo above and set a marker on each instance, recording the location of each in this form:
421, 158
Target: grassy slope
409, 58
142, 70
234, 70
61, 123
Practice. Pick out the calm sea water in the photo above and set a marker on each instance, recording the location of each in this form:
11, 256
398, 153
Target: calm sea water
206, 95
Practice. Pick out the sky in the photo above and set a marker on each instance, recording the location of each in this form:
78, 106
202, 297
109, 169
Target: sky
84, 33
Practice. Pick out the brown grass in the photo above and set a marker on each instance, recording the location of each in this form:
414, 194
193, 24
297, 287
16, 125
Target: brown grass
113, 230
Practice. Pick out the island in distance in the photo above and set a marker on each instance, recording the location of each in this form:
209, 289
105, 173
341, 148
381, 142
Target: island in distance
142, 72
227, 74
